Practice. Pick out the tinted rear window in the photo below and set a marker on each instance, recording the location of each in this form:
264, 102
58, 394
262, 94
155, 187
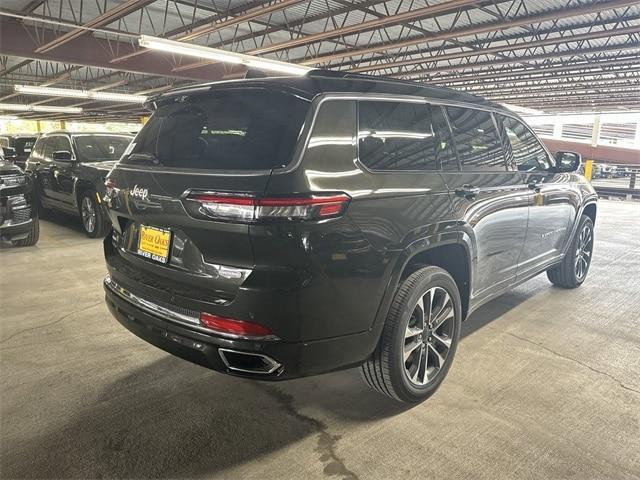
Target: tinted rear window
476, 138
404, 137
99, 148
23, 145
231, 130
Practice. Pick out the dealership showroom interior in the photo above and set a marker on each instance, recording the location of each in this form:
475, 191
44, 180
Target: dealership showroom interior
273, 239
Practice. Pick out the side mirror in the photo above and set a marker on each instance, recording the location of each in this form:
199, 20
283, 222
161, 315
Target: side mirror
567, 161
62, 156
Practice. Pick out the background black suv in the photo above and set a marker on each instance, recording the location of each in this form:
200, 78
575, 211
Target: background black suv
22, 144
285, 227
18, 213
69, 170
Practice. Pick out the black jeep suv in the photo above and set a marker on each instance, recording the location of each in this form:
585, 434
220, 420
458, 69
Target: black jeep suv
277, 228
18, 213
69, 171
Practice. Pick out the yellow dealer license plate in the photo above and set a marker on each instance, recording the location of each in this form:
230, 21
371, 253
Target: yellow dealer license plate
154, 243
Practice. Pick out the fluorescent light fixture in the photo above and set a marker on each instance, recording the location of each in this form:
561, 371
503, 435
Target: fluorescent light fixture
524, 110
66, 92
8, 117
199, 51
16, 107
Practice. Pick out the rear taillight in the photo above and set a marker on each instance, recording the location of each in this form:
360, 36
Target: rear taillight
236, 328
248, 209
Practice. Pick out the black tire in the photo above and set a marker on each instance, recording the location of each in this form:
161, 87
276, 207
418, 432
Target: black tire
88, 206
32, 238
568, 274
387, 371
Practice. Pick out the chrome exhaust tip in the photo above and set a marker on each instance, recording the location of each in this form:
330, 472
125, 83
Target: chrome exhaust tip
247, 362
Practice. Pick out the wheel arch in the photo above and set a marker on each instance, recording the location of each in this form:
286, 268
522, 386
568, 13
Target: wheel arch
453, 257
590, 209
80, 187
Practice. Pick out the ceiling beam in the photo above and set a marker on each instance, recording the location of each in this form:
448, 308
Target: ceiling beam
579, 69
376, 23
523, 59
476, 29
119, 11
220, 23
615, 32
20, 40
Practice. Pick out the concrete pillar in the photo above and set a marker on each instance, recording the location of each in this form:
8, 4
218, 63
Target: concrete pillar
595, 134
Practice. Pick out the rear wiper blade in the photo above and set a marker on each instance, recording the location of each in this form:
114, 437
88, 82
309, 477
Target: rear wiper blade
144, 158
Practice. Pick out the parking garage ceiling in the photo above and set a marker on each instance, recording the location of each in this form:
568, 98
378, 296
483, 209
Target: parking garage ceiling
551, 55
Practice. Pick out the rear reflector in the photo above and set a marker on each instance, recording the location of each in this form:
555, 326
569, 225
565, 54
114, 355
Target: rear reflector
251, 209
236, 328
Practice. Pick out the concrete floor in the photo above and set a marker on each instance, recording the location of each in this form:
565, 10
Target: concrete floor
546, 384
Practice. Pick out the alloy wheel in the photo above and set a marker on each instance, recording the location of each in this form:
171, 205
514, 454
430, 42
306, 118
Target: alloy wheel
88, 215
428, 336
583, 251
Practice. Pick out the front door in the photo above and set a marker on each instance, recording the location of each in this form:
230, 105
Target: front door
553, 203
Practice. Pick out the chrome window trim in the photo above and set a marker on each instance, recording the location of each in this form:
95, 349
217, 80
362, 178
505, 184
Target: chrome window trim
319, 100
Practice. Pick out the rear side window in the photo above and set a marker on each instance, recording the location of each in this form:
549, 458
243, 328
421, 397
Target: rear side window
528, 155
476, 139
241, 129
403, 136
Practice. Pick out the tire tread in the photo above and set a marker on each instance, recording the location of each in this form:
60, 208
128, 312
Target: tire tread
376, 371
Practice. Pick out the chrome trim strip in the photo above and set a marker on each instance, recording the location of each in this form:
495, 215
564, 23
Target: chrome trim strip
273, 365
148, 306
173, 316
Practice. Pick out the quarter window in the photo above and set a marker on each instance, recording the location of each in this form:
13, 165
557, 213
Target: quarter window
404, 136
476, 139
528, 155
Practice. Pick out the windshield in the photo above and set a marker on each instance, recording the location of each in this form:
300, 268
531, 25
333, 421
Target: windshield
100, 148
238, 129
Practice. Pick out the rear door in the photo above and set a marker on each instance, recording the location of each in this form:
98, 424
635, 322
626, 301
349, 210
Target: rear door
63, 171
490, 202
553, 201
208, 146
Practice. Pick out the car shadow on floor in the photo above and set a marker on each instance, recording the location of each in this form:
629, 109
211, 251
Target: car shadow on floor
171, 418
70, 223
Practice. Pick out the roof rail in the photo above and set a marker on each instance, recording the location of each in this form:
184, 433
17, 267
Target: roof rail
320, 72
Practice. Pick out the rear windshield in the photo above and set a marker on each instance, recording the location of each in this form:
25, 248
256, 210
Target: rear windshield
242, 129
23, 145
100, 148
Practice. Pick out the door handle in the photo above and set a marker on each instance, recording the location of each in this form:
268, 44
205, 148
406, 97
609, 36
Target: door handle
534, 186
467, 191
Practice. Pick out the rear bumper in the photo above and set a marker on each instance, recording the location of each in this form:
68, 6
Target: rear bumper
274, 359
